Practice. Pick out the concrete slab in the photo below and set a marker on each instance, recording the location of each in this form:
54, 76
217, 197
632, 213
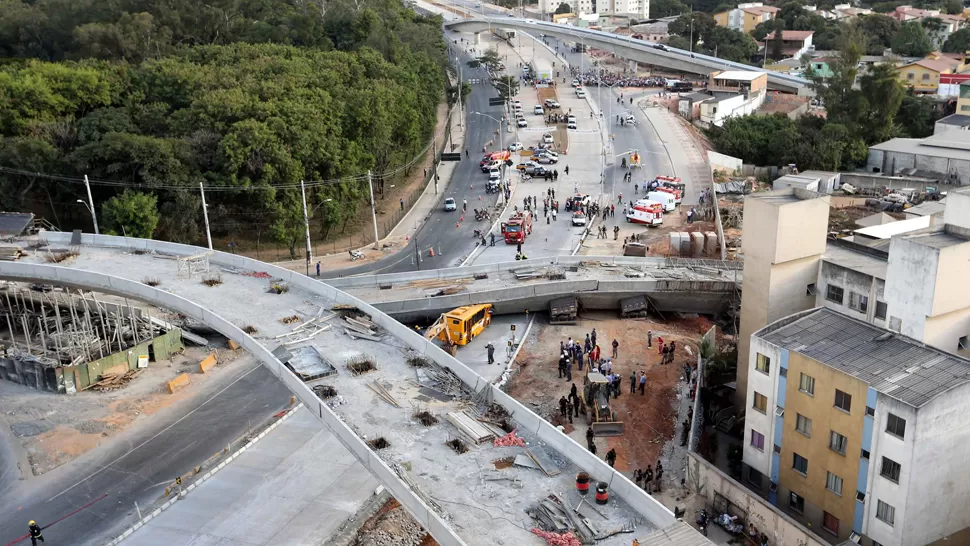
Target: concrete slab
499, 333
295, 487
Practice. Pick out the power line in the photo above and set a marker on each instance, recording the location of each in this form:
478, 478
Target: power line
194, 187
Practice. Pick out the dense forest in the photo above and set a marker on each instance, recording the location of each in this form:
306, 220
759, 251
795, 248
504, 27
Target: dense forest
247, 97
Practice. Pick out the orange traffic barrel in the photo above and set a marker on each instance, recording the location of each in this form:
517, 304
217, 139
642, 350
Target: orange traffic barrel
602, 495
582, 483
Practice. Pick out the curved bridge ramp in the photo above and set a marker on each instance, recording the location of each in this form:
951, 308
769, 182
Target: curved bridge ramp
459, 498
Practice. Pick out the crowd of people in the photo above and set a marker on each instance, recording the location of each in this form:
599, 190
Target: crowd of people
596, 77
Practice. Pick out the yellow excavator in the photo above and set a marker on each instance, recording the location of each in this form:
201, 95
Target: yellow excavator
601, 416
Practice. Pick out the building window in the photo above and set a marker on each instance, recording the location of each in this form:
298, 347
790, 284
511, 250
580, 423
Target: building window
870, 411
843, 401
926, 77
760, 402
796, 502
762, 363
800, 464
803, 424
909, 76
963, 343
783, 372
830, 523
757, 440
890, 470
834, 484
885, 512
837, 442
865, 454
965, 107
754, 476
896, 426
834, 293
860, 496
806, 384
880, 310
858, 302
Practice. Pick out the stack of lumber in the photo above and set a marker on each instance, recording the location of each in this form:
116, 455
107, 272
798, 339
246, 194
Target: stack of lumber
114, 381
470, 427
383, 394
11, 253
361, 328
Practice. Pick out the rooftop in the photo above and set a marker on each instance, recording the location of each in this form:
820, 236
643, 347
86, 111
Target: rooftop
894, 365
863, 262
792, 35
936, 65
928, 208
739, 75
959, 120
925, 147
886, 231
936, 238
697, 97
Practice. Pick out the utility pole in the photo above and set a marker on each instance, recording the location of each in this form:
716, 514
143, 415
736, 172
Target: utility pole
373, 210
94, 215
205, 215
306, 223
461, 84
434, 162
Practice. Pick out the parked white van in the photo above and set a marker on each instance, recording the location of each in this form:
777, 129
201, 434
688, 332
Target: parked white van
581, 93
665, 199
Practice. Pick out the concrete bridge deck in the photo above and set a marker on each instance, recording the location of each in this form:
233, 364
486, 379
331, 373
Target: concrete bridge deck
599, 282
459, 498
625, 47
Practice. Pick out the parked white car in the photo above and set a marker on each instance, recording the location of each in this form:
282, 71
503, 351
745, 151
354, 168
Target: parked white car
571, 125
450, 204
579, 219
515, 146
522, 122
517, 103
538, 110
494, 174
547, 139
548, 153
570, 119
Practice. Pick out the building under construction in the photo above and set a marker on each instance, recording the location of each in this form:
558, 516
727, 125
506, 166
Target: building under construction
65, 340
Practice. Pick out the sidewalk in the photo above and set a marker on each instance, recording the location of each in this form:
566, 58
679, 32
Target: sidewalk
296, 486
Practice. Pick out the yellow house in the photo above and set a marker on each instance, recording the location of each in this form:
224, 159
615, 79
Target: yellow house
746, 17
924, 75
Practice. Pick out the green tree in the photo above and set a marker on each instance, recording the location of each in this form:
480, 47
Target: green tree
491, 59
179, 218
912, 41
730, 44
843, 102
778, 34
507, 86
134, 214
878, 31
958, 42
916, 116
667, 8
884, 93
563, 8
697, 25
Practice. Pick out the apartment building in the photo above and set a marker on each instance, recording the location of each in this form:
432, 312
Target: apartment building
794, 43
637, 8
855, 430
746, 17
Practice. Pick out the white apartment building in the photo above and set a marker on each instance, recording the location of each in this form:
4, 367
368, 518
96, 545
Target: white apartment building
637, 8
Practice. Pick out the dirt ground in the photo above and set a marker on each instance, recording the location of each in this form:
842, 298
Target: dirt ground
53, 429
649, 419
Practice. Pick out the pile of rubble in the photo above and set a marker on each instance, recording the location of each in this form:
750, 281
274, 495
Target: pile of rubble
391, 526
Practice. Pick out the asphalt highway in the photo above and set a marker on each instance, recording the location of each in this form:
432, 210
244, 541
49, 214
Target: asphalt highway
138, 467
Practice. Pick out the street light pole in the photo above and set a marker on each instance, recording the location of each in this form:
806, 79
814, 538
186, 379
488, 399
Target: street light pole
373, 210
205, 215
94, 215
306, 224
461, 83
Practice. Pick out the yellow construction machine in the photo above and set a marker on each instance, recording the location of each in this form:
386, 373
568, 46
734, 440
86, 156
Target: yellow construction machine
601, 416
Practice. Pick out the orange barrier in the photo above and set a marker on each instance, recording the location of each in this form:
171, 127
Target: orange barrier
207, 363
180, 381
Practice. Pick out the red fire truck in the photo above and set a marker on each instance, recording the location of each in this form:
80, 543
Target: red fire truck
646, 212
517, 227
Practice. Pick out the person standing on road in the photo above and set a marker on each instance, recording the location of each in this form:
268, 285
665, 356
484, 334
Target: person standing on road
563, 404
493, 239
592, 337
648, 479
464, 205
318, 268
611, 457
616, 346
589, 440
649, 339
660, 340
36, 533
566, 170
491, 353
633, 382
402, 204
643, 382
660, 475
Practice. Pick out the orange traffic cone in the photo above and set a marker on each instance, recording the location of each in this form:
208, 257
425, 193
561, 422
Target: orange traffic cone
457, 224
431, 252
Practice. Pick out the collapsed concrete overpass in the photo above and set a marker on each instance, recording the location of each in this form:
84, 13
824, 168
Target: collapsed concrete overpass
447, 493
625, 47
598, 282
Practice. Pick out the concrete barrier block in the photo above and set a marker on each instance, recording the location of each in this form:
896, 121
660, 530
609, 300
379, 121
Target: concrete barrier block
209, 362
179, 382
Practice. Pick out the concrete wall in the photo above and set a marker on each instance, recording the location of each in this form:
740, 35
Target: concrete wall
643, 503
780, 528
865, 180
723, 162
850, 281
763, 423
883, 489
939, 493
910, 285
